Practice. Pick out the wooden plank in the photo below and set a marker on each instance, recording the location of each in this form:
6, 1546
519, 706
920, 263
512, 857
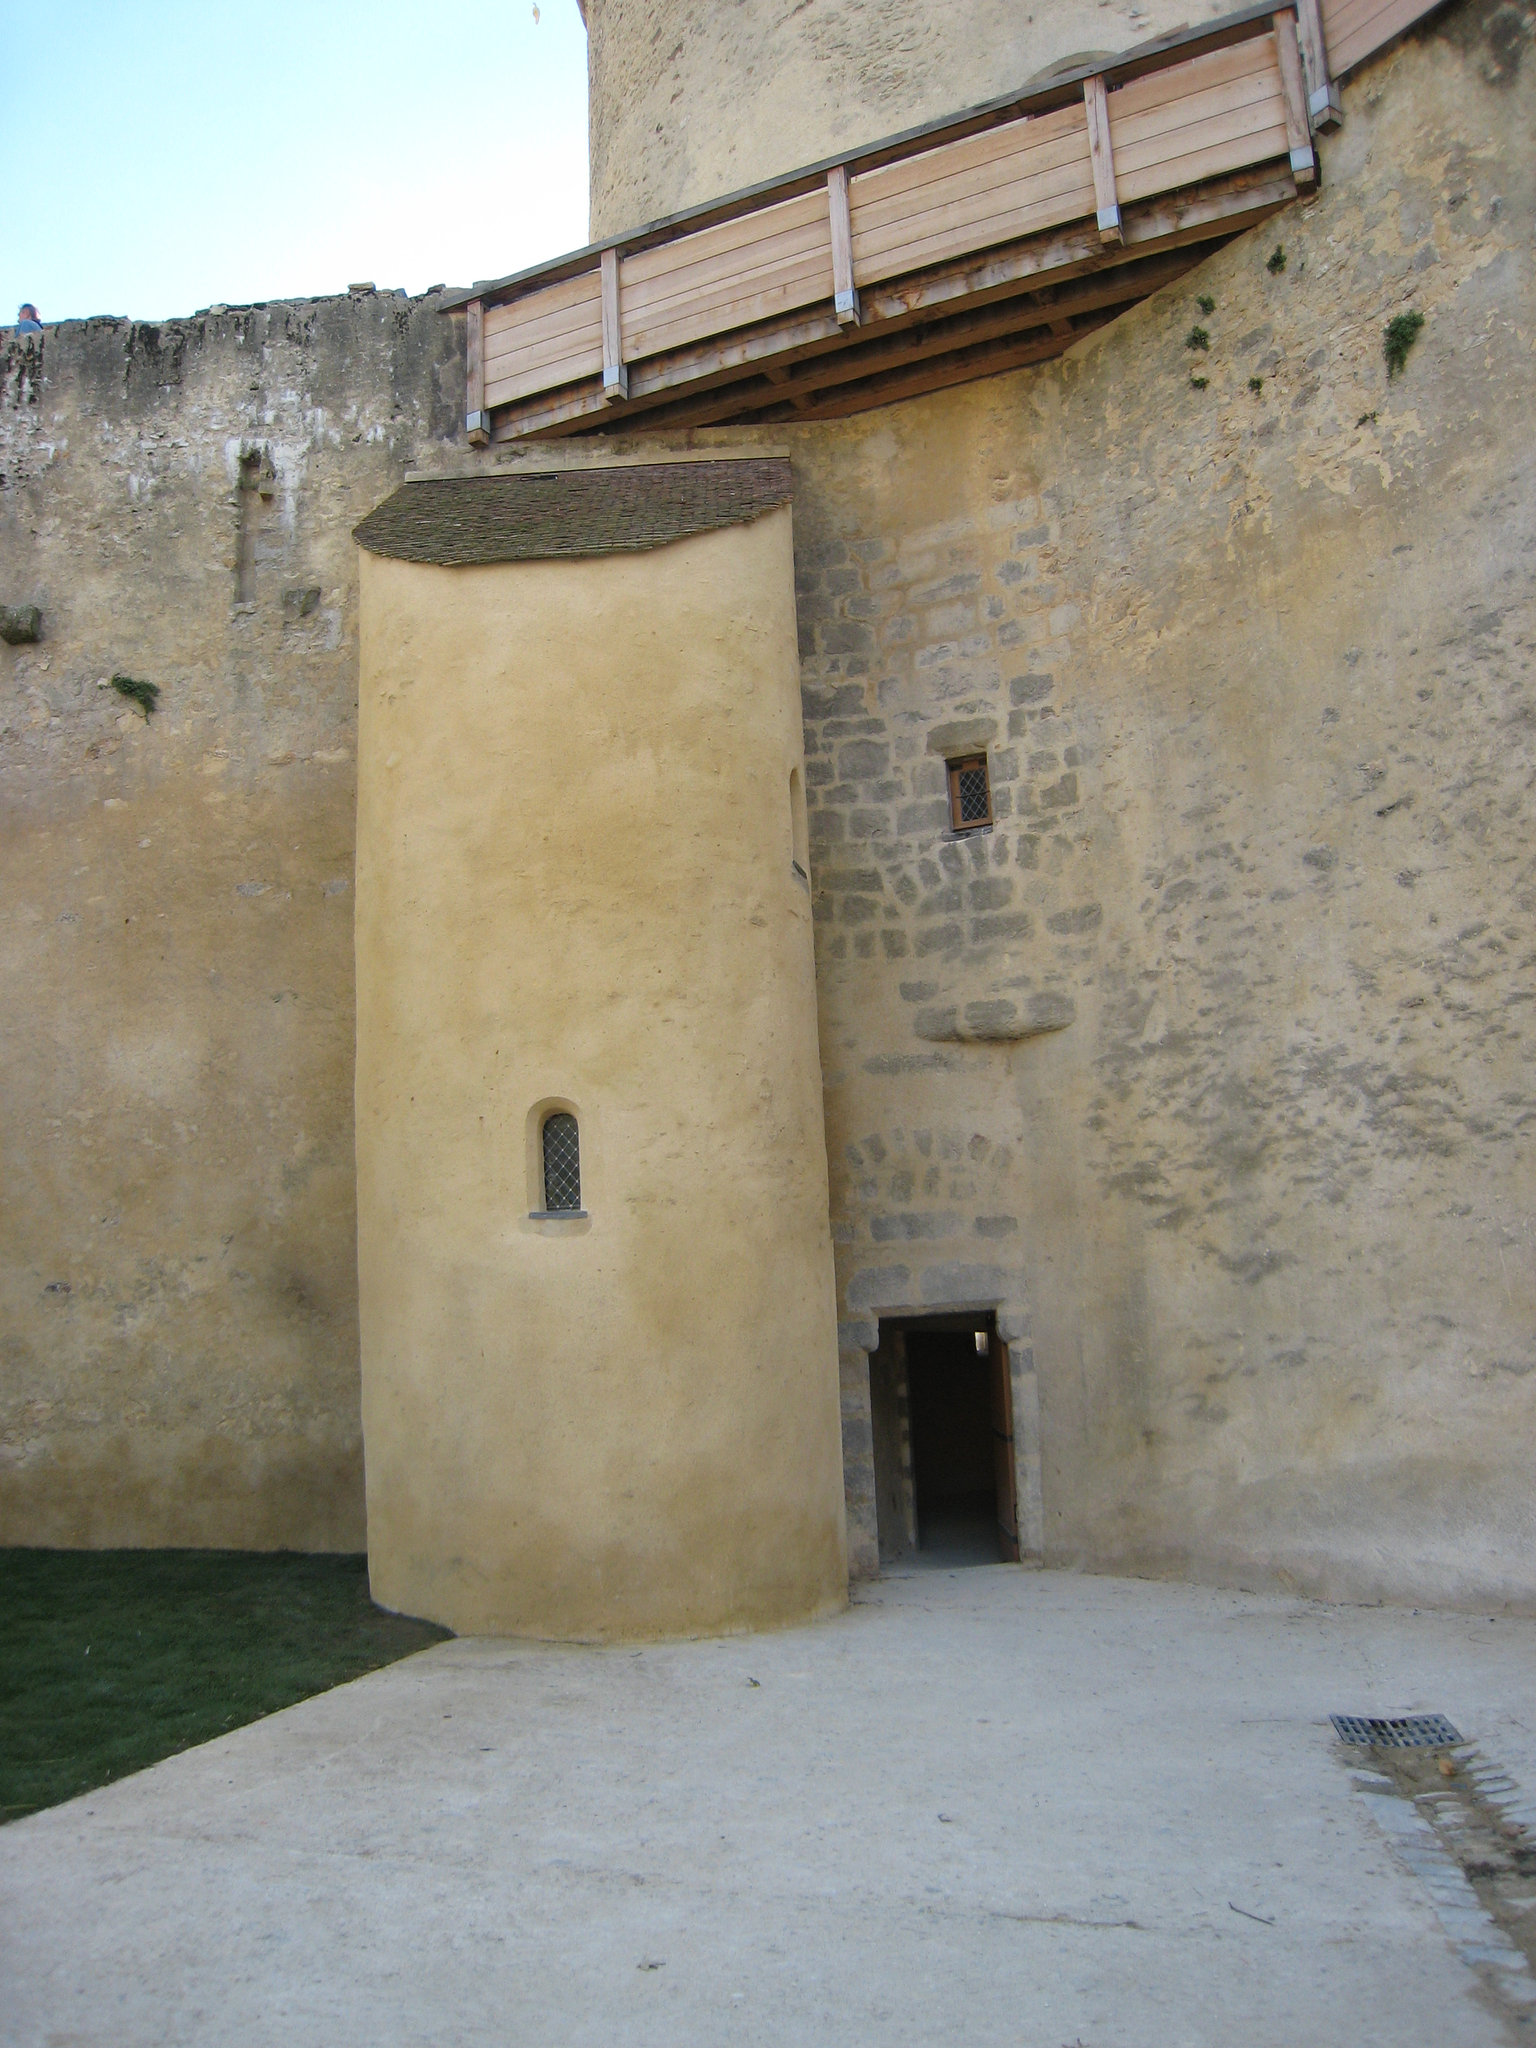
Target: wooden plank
845, 298
954, 224
1353, 37
1247, 132
972, 164
1293, 89
971, 196
569, 412
784, 290
581, 341
1323, 102
695, 263
476, 419
1158, 96
512, 378
1101, 153
683, 290
1210, 102
1230, 123
571, 309
964, 367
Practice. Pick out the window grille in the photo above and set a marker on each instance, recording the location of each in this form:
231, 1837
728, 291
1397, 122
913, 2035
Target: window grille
562, 1162
970, 793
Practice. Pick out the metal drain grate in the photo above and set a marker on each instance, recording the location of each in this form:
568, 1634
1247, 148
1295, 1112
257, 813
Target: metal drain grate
1396, 1731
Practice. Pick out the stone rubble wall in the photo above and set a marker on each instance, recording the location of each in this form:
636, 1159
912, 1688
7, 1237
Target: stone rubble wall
178, 1288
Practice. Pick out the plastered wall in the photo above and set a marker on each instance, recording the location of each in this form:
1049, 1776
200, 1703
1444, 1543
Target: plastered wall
576, 886
1211, 1064
178, 1293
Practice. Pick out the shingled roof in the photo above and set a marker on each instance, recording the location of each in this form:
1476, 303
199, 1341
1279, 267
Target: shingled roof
540, 515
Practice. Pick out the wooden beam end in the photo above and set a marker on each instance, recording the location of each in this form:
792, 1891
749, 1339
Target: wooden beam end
1326, 107
1110, 229
846, 308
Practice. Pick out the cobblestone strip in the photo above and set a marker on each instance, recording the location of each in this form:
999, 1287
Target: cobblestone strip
1435, 1836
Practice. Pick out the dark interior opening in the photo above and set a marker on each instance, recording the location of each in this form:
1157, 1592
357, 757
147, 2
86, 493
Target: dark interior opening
941, 1410
949, 1394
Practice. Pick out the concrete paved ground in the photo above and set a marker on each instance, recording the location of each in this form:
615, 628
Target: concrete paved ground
986, 1806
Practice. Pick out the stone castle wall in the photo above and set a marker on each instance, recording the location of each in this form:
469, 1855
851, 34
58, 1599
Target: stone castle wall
689, 102
1208, 1066
1211, 1063
178, 1290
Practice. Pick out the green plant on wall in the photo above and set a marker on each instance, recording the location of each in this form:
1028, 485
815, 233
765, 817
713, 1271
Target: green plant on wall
1197, 338
1399, 335
145, 695
1276, 262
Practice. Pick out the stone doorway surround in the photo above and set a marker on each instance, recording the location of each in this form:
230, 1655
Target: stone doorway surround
858, 1339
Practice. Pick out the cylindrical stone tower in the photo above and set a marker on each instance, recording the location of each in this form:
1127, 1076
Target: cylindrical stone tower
689, 102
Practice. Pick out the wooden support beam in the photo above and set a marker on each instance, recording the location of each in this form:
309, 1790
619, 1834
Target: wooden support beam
962, 368
1293, 90
1101, 152
477, 421
845, 297
615, 369
1323, 102
1049, 312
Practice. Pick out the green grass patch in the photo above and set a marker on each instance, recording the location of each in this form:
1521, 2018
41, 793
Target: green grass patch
113, 1659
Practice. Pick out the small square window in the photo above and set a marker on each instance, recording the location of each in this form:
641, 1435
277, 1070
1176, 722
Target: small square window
970, 793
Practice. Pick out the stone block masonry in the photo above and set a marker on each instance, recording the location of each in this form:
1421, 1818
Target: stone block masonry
1208, 1063
177, 1259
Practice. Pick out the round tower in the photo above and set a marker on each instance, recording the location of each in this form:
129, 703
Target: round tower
599, 1340
689, 102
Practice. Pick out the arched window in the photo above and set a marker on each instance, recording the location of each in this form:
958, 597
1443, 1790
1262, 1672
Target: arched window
562, 1162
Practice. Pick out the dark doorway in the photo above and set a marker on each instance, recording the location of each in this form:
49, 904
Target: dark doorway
942, 1414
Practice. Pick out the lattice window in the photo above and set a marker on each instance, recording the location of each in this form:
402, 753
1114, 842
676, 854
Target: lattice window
562, 1162
970, 793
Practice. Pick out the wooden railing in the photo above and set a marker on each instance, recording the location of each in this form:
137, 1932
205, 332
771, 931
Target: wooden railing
970, 246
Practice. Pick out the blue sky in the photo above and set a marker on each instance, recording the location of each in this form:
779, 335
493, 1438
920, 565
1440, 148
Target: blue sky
164, 157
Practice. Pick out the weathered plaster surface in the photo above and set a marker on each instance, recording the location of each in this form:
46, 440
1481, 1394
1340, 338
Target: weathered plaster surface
687, 102
178, 1282
575, 887
1211, 1063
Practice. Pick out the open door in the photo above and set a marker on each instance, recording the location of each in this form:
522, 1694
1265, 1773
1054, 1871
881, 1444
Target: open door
1002, 1454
